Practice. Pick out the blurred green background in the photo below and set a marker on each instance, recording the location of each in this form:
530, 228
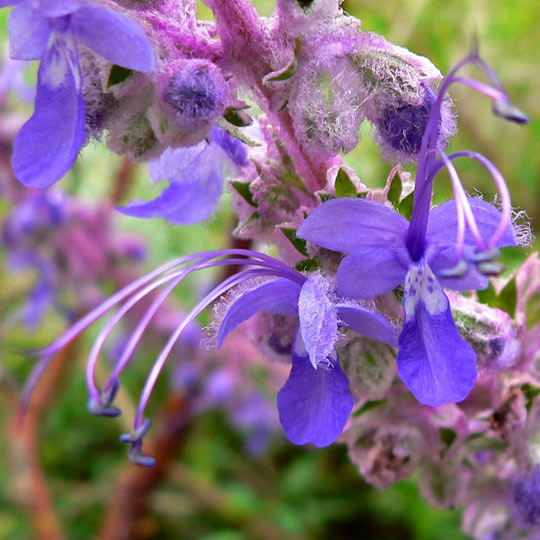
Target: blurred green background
214, 490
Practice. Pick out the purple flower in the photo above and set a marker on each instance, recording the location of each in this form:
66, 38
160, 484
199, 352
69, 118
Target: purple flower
315, 402
435, 249
195, 176
48, 143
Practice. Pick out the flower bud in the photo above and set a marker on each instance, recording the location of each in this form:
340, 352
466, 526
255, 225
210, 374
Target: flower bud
193, 95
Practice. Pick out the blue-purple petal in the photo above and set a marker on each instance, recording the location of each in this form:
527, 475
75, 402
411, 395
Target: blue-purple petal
29, 33
182, 204
48, 143
318, 320
367, 323
434, 361
195, 175
348, 225
279, 296
370, 272
442, 224
315, 404
177, 164
117, 38
58, 8
5, 3
235, 149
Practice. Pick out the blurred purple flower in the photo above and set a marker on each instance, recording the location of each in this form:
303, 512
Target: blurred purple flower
195, 175
526, 498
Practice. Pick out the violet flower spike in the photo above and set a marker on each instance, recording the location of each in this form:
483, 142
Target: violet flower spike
316, 374
384, 250
48, 143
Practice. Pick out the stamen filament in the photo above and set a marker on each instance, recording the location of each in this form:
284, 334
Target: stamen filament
502, 188
215, 293
145, 321
47, 353
489, 91
462, 201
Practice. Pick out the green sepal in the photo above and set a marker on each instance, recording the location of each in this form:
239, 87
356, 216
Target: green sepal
395, 191
243, 190
530, 392
309, 265
237, 117
405, 207
344, 185
299, 243
118, 75
369, 405
325, 196
284, 74
448, 436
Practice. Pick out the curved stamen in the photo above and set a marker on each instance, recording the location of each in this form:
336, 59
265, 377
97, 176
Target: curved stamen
428, 148
460, 236
502, 188
461, 200
215, 293
99, 342
145, 321
494, 93
47, 353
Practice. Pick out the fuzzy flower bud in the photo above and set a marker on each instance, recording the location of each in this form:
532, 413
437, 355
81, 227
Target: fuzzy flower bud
192, 94
400, 90
325, 105
490, 331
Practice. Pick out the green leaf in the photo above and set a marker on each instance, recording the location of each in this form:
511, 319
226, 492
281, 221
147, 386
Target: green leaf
448, 436
283, 74
369, 405
309, 265
117, 75
508, 297
324, 196
237, 117
506, 300
405, 207
344, 185
530, 392
298, 243
394, 193
243, 189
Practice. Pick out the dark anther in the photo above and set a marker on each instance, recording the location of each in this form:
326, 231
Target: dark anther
509, 112
103, 406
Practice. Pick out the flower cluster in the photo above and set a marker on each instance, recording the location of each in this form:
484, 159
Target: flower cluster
365, 296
